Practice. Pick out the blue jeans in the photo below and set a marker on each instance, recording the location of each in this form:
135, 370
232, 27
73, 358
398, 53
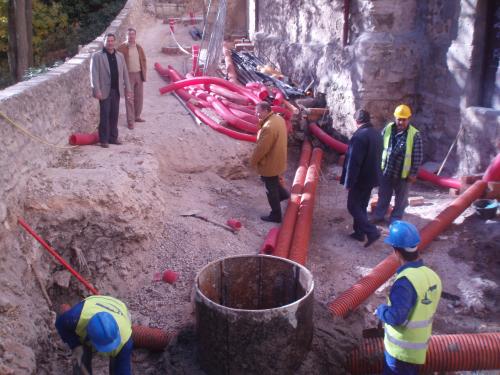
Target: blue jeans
393, 366
388, 186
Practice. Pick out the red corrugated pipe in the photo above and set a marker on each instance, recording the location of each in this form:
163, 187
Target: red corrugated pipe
209, 80
359, 292
221, 129
81, 139
288, 225
460, 352
251, 118
278, 96
338, 146
228, 116
54, 253
492, 174
446, 182
354, 296
302, 233
150, 338
450, 213
269, 245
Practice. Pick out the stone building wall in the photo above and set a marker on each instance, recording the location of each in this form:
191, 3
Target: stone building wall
427, 54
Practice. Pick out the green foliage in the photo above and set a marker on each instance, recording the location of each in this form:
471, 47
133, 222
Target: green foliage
4, 35
51, 31
91, 16
59, 26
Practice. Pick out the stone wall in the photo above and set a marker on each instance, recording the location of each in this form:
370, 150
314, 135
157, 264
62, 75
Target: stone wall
49, 107
426, 54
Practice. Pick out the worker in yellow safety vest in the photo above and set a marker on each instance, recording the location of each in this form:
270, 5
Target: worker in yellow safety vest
401, 158
102, 324
412, 303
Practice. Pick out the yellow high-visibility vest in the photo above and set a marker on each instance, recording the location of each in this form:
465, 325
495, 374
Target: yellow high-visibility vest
96, 304
409, 341
409, 148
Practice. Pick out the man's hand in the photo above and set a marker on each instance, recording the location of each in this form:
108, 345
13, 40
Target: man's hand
129, 96
412, 179
77, 355
98, 95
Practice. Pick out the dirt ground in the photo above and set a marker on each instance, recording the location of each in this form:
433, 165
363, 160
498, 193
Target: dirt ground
206, 171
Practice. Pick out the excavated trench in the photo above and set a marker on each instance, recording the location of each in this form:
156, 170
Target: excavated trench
120, 215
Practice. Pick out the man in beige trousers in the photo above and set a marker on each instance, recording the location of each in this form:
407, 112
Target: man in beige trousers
135, 59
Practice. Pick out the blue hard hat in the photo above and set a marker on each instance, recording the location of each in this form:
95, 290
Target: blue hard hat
403, 235
103, 332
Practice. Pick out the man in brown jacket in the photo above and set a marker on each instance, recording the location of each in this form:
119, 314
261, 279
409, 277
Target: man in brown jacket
269, 157
136, 64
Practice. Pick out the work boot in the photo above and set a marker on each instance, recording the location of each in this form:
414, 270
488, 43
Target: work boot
104, 145
271, 218
274, 203
117, 142
372, 239
358, 236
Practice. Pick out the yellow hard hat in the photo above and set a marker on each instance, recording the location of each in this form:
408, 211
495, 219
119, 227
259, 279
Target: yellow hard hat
402, 111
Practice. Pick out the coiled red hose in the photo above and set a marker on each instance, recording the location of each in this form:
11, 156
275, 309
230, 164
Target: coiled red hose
460, 352
221, 129
288, 226
303, 225
228, 116
209, 80
338, 146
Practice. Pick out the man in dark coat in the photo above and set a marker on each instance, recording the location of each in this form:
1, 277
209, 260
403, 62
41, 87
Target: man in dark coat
360, 175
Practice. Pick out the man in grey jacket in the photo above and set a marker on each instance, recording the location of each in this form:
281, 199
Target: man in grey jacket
109, 78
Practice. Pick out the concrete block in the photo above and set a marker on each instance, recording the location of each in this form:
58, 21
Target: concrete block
416, 201
373, 204
469, 180
493, 190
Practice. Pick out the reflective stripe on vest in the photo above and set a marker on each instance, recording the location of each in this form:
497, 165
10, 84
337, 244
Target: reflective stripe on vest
96, 304
408, 342
408, 152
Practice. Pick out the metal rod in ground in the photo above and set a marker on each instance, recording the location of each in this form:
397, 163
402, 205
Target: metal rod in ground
54, 253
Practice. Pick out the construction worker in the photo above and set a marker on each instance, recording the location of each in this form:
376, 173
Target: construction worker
412, 303
269, 157
401, 158
99, 323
